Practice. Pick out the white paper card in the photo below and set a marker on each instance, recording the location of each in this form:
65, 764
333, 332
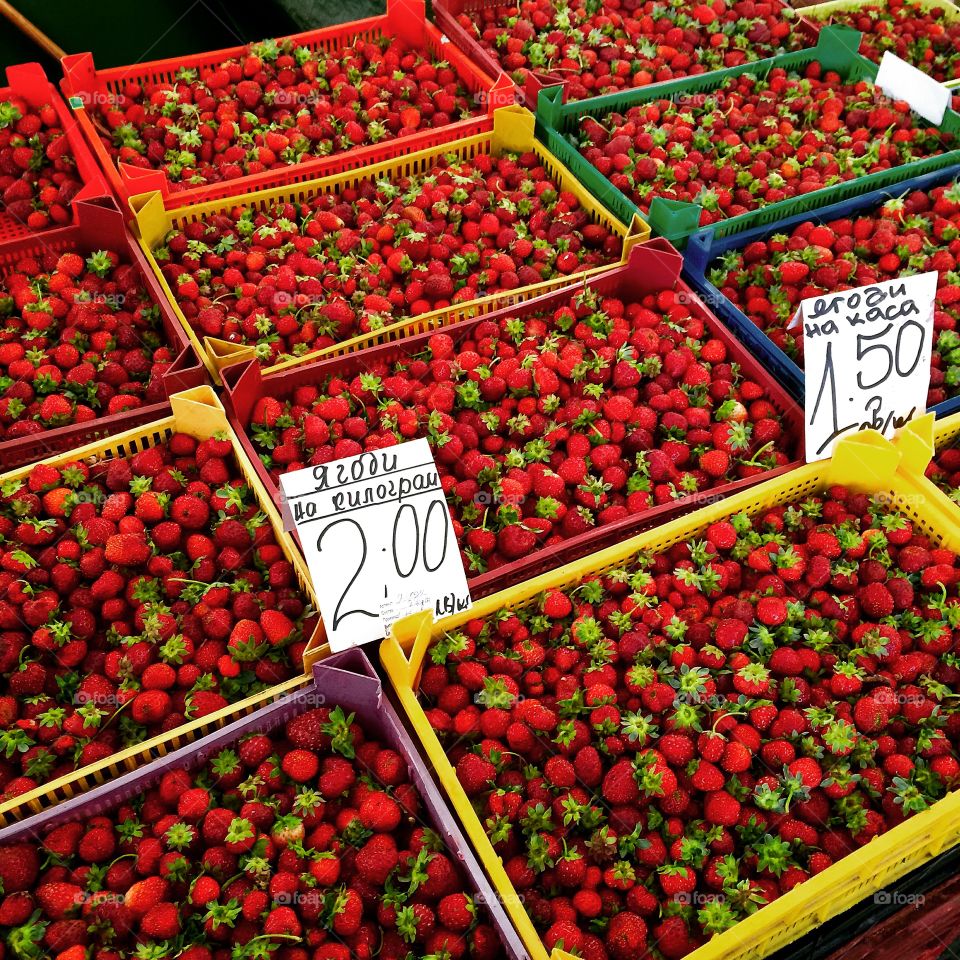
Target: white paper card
903, 81
378, 540
866, 359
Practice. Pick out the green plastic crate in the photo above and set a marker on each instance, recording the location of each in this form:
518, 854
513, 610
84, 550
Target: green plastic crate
836, 9
558, 124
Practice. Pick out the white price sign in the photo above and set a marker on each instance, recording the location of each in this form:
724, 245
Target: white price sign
903, 81
866, 359
378, 540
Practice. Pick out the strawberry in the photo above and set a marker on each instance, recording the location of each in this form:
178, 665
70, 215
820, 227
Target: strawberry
725, 700
869, 249
602, 51
38, 172
150, 643
920, 36
556, 605
96, 346
505, 510
306, 106
876, 601
870, 715
417, 276
19, 867
626, 146
161, 922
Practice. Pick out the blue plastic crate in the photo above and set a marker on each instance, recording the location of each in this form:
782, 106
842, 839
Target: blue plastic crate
704, 247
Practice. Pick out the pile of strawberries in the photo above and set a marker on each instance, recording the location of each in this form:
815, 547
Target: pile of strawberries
944, 471
547, 426
303, 843
924, 38
38, 176
600, 48
915, 233
137, 594
81, 339
754, 142
659, 750
303, 276
280, 103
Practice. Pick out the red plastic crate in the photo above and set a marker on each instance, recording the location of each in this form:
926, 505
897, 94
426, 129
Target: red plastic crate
99, 224
445, 12
28, 80
84, 86
652, 266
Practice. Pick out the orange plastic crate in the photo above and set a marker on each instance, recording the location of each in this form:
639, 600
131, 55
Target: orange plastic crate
87, 88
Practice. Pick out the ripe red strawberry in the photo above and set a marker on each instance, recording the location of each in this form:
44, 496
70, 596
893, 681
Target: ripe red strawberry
557, 605
468, 264
300, 765
377, 858
19, 867
626, 936
58, 899
504, 511
870, 715
717, 709
867, 250
625, 147
38, 172
876, 601
148, 642
576, 44
161, 922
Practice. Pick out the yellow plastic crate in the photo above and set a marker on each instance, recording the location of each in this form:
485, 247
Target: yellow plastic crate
513, 130
832, 12
197, 412
918, 442
947, 432
865, 462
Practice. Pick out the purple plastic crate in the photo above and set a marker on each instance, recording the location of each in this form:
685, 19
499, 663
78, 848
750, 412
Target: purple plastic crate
347, 679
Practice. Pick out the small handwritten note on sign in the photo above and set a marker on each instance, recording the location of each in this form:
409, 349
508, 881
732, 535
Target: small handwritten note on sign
866, 359
378, 540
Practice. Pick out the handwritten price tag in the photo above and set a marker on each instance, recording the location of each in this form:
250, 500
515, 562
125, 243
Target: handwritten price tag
378, 540
866, 359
